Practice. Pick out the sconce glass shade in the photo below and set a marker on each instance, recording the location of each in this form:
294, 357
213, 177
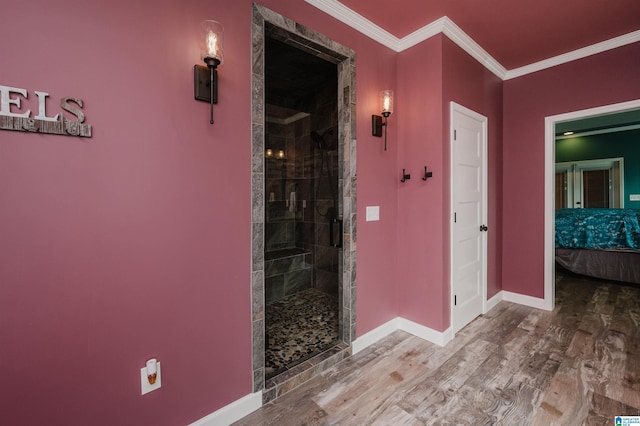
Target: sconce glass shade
386, 102
212, 43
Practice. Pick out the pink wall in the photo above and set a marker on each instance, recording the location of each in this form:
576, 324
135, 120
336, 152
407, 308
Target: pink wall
603, 79
431, 75
421, 286
132, 230
146, 226
468, 83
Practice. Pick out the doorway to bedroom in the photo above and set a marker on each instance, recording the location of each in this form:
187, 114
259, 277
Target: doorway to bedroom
590, 157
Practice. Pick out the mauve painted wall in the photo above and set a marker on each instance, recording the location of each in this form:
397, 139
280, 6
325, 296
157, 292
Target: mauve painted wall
136, 243
132, 244
603, 79
421, 285
431, 75
468, 83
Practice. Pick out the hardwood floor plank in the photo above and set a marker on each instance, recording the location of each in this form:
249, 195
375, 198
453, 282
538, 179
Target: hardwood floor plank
566, 400
604, 409
579, 364
368, 395
396, 416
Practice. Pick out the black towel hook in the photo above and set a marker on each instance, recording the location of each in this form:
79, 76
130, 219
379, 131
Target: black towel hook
427, 174
405, 176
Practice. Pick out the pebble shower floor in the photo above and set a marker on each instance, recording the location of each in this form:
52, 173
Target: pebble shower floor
298, 327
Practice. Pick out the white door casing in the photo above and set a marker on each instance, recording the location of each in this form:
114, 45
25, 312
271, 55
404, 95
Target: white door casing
548, 302
468, 141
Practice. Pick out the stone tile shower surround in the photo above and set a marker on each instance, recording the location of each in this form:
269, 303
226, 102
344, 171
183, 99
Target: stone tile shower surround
267, 22
287, 272
301, 194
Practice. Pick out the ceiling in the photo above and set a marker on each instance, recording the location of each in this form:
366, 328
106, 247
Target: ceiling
606, 123
509, 37
514, 33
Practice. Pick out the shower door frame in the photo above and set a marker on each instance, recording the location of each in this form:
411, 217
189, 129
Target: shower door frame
321, 46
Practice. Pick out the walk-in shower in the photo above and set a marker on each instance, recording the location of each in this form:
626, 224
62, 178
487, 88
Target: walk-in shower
303, 227
300, 113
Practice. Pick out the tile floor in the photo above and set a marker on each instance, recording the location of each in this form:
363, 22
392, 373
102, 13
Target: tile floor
298, 327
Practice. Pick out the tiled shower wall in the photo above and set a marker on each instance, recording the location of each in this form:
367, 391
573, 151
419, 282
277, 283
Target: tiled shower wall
288, 267
302, 193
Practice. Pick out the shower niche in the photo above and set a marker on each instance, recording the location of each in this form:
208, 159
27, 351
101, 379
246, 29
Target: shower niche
302, 224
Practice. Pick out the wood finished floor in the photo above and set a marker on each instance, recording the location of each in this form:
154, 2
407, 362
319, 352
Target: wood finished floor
577, 365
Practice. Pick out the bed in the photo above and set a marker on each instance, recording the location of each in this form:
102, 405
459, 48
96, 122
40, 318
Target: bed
601, 243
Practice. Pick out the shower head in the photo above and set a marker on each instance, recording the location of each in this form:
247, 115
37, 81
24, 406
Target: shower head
319, 140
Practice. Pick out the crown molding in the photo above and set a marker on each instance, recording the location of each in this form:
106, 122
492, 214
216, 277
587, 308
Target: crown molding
356, 21
422, 34
454, 33
470, 46
594, 49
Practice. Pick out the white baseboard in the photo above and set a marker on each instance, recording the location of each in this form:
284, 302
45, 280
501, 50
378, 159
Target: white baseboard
523, 299
374, 335
438, 337
493, 302
233, 412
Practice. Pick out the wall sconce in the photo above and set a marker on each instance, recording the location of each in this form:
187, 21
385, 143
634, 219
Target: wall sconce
386, 106
205, 79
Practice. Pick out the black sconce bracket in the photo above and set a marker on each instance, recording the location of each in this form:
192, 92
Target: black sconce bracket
205, 83
377, 125
405, 176
202, 84
427, 174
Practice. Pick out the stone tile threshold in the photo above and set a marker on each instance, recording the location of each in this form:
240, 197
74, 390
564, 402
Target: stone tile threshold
293, 377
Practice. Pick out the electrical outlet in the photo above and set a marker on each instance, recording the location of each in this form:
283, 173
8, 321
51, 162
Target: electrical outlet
634, 197
144, 380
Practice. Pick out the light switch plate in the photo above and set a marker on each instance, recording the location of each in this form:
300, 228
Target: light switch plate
373, 213
144, 381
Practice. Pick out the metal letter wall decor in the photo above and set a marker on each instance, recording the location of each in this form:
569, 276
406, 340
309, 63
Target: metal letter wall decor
56, 125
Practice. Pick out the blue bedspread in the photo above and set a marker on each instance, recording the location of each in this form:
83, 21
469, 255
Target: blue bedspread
598, 228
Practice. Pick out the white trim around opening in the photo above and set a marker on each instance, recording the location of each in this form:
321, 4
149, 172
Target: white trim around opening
549, 186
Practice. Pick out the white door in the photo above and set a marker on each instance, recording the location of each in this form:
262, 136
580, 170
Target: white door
468, 215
